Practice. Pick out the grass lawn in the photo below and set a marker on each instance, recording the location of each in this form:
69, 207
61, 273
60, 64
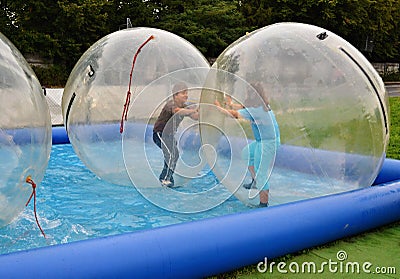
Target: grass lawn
379, 247
394, 142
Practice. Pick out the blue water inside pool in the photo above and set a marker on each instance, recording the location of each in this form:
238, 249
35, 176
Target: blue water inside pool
73, 204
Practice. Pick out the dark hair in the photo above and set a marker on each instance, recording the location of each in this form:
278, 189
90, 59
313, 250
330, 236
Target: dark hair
179, 87
260, 90
255, 95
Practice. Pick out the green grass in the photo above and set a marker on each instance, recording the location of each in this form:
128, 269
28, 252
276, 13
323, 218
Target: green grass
380, 246
394, 141
332, 127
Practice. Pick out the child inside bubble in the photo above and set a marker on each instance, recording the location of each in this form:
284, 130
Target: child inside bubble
166, 126
259, 153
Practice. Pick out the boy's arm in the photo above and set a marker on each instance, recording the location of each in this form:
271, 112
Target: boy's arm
187, 112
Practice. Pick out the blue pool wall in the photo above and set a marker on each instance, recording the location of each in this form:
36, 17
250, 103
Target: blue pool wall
212, 246
216, 245
59, 135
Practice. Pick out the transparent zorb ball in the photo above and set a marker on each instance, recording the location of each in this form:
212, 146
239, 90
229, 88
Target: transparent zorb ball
330, 104
25, 131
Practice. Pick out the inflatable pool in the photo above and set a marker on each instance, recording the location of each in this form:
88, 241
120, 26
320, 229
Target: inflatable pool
215, 245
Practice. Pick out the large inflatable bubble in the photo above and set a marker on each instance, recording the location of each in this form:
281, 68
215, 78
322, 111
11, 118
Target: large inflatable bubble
330, 105
25, 131
96, 92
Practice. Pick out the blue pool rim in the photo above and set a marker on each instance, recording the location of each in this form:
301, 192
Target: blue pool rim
211, 246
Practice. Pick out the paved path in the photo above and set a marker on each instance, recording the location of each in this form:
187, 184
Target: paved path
393, 88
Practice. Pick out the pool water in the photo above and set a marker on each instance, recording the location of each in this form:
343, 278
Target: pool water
73, 204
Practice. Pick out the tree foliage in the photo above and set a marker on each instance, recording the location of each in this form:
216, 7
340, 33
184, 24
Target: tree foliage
61, 30
210, 25
370, 25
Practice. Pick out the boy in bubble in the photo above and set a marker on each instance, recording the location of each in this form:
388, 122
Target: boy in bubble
166, 126
261, 151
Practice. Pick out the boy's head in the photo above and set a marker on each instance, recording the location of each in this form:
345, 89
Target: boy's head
179, 87
180, 94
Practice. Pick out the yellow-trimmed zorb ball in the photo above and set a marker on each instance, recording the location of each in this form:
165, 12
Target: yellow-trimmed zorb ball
25, 131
